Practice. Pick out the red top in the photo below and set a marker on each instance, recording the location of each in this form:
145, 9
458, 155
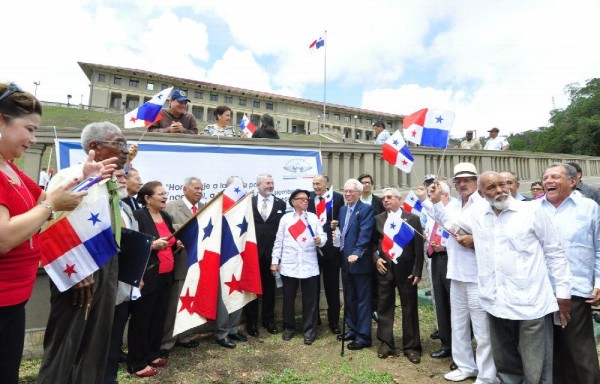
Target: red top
165, 256
19, 266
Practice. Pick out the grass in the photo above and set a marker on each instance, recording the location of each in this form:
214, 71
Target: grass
269, 359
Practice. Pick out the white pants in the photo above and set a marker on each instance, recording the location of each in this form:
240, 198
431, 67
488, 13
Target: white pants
466, 310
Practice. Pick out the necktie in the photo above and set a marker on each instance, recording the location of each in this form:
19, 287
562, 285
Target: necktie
113, 190
346, 221
264, 210
134, 203
194, 209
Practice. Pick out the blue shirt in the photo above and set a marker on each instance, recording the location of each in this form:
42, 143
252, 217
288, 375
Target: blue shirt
577, 222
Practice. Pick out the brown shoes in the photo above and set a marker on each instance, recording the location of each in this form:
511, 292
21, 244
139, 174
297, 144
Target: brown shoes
384, 351
413, 357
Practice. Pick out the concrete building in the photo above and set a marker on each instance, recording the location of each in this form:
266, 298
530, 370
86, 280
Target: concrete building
125, 89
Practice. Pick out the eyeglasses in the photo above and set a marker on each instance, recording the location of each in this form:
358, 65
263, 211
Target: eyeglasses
301, 198
349, 191
12, 88
162, 194
120, 144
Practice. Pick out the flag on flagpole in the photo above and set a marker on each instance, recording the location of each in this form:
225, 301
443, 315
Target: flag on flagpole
233, 193
412, 204
300, 232
325, 206
240, 271
428, 127
439, 236
396, 152
396, 234
149, 112
202, 240
316, 44
247, 127
78, 245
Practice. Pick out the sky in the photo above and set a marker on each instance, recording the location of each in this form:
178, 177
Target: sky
498, 64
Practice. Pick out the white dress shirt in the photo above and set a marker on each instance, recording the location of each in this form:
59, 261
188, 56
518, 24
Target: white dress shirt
516, 251
296, 258
577, 222
495, 144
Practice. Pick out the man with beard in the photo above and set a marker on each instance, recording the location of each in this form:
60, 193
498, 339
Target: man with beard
176, 118
79, 325
517, 249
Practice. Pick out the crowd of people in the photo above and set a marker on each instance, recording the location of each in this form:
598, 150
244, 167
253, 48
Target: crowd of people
517, 274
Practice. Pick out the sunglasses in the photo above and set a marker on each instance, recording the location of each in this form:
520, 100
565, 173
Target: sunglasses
12, 88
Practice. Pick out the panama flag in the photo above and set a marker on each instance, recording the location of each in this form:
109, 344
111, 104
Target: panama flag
240, 272
412, 204
395, 151
325, 206
201, 237
316, 44
396, 234
233, 193
78, 245
149, 112
429, 127
247, 127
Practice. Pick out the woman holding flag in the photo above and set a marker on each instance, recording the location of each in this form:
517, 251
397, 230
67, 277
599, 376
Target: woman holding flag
295, 258
24, 208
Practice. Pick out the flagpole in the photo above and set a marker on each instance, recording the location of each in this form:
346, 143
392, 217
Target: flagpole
51, 152
324, 76
202, 209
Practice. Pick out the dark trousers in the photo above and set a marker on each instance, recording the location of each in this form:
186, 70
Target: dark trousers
330, 272
12, 339
116, 342
309, 287
76, 349
575, 357
441, 291
522, 349
393, 280
146, 325
357, 299
268, 298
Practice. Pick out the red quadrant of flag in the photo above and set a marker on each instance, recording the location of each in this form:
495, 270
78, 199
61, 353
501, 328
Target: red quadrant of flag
55, 249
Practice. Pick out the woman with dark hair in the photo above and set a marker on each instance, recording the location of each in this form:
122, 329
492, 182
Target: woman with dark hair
24, 208
221, 126
148, 312
267, 128
537, 190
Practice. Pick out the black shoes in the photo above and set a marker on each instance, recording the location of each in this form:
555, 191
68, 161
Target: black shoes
252, 330
441, 354
375, 317
357, 345
309, 340
335, 329
188, 344
238, 337
271, 328
435, 335
346, 337
287, 334
226, 342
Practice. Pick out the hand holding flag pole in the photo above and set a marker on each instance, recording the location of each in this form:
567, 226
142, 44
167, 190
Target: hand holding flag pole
312, 233
191, 219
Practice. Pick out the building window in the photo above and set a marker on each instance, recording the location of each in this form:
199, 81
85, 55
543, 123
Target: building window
336, 116
389, 124
228, 99
269, 106
256, 104
134, 83
198, 94
164, 86
198, 112
150, 86
347, 118
326, 116
101, 78
242, 101
256, 120
117, 80
369, 121
359, 120
214, 97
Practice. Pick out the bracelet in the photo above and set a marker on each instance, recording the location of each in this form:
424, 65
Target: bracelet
49, 206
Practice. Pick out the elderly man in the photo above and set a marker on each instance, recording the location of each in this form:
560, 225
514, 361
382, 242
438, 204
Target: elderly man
356, 226
469, 142
181, 211
517, 252
176, 118
79, 325
134, 183
495, 143
381, 134
513, 184
329, 264
268, 210
462, 271
403, 275
577, 222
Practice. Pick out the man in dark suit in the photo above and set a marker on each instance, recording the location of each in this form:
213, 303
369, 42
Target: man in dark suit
329, 263
403, 275
267, 210
356, 225
181, 211
134, 183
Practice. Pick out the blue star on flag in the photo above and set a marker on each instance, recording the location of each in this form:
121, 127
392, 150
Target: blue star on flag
393, 225
395, 142
94, 218
243, 226
208, 229
237, 190
439, 119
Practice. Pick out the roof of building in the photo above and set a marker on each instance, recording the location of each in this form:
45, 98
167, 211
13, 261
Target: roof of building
88, 69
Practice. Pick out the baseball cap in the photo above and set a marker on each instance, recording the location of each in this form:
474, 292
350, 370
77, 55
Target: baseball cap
469, 132
465, 170
179, 95
494, 130
430, 176
379, 123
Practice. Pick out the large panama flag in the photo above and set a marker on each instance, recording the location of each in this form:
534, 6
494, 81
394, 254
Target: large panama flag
428, 127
